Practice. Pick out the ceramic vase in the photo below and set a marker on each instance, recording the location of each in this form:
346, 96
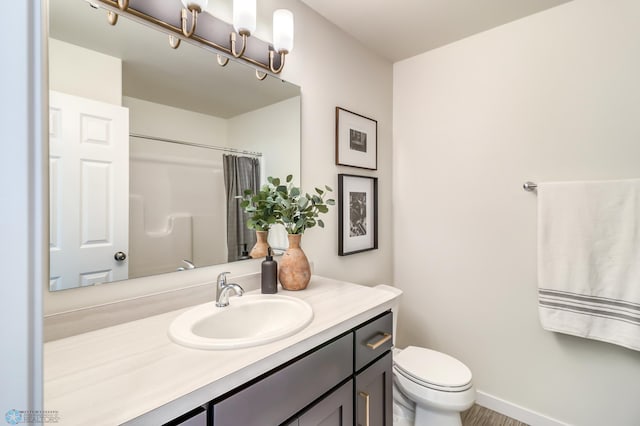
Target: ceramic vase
294, 270
262, 246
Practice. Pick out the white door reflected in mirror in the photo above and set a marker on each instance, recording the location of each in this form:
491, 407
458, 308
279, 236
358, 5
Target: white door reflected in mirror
89, 216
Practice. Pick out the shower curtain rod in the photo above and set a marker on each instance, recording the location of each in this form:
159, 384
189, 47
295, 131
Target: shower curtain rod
197, 145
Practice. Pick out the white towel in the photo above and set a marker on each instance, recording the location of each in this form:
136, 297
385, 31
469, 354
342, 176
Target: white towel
589, 259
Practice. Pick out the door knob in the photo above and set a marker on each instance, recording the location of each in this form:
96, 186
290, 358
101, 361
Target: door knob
119, 256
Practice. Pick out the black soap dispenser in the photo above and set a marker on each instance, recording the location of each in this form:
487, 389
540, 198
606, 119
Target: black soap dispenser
245, 253
269, 279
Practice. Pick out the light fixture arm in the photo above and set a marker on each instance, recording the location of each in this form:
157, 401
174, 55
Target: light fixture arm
174, 41
188, 32
244, 35
272, 55
222, 61
112, 17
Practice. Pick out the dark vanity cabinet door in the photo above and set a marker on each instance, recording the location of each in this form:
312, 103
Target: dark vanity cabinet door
281, 394
373, 364
334, 410
374, 399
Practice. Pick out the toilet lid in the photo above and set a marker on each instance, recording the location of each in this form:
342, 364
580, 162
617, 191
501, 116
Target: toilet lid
432, 367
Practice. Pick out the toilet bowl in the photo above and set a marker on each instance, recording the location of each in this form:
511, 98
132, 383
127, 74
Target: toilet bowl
439, 386
429, 388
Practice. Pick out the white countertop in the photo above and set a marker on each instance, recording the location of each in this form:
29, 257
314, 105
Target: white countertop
133, 373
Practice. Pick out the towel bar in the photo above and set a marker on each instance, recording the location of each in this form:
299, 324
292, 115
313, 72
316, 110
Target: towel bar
529, 186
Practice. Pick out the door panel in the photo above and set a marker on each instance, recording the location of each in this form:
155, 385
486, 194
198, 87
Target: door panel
374, 399
334, 410
95, 199
89, 181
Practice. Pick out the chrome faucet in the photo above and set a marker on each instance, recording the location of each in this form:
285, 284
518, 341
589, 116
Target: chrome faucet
223, 288
189, 265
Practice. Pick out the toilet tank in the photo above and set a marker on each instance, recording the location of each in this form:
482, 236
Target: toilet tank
396, 305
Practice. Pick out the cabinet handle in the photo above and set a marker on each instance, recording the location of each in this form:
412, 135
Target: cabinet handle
366, 406
385, 338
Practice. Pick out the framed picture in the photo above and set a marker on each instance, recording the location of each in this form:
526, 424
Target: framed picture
358, 214
356, 140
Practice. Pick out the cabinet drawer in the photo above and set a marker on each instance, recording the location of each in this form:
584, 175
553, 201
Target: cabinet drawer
373, 339
280, 395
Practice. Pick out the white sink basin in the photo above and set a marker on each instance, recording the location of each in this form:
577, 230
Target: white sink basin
250, 320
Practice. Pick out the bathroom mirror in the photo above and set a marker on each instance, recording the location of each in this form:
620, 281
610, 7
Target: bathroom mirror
138, 132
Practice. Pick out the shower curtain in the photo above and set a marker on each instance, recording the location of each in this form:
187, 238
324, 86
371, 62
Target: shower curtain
240, 173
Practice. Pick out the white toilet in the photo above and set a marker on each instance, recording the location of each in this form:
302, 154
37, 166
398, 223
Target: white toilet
429, 388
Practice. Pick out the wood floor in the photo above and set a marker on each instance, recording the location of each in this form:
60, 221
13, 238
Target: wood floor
480, 416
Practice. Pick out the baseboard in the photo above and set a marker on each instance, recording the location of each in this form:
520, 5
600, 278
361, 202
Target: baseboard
515, 411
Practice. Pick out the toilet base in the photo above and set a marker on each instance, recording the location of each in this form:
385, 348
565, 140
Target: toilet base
402, 421
404, 411
434, 417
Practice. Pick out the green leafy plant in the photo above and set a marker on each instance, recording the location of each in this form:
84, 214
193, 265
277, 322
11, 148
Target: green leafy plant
284, 203
296, 210
260, 207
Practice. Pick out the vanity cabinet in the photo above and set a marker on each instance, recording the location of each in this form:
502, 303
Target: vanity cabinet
373, 372
344, 381
374, 398
336, 409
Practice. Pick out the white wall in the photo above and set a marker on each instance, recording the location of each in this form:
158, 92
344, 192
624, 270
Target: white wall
335, 70
153, 119
275, 132
554, 96
85, 73
23, 250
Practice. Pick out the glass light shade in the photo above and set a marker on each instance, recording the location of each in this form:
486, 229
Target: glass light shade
283, 30
202, 4
244, 15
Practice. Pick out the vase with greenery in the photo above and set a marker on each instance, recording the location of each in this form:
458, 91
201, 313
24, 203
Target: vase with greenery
260, 208
286, 204
297, 211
